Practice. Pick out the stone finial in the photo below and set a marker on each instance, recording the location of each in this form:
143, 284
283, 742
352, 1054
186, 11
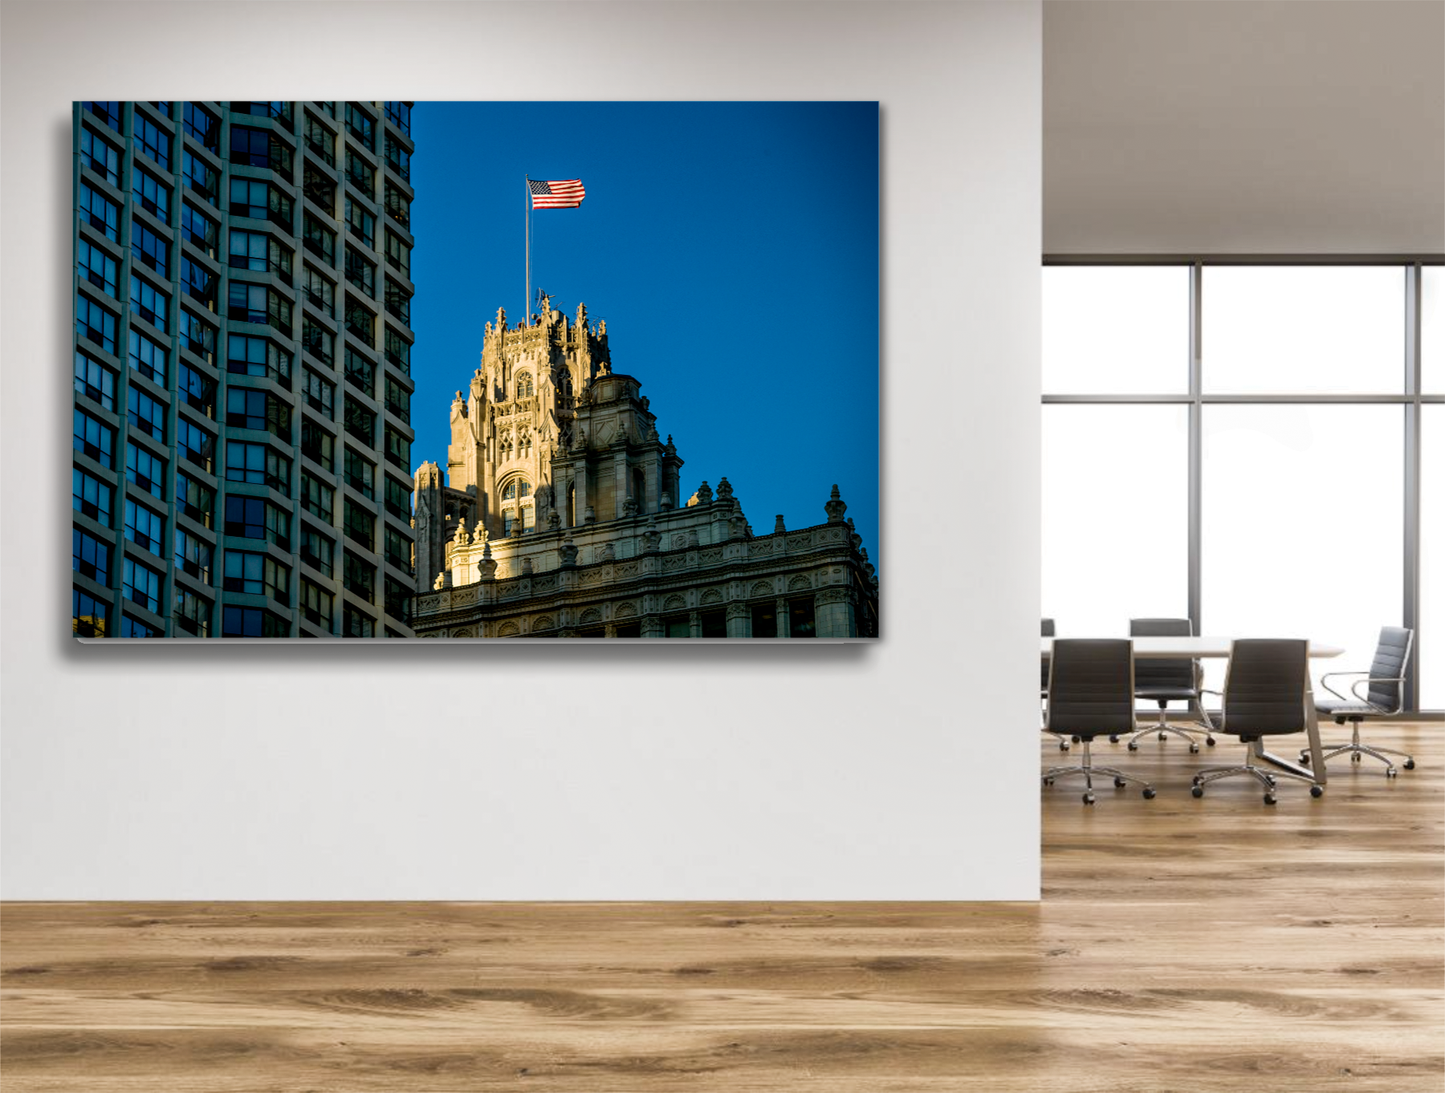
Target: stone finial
704, 494
737, 526
868, 566
589, 515
669, 449
582, 316
853, 536
609, 553
569, 552
526, 567
629, 507
835, 507
724, 489
778, 526
602, 328
553, 520
461, 538
487, 567
501, 319
651, 537
440, 582
692, 540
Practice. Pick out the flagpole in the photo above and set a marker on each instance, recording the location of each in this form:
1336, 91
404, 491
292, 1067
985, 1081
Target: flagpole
527, 311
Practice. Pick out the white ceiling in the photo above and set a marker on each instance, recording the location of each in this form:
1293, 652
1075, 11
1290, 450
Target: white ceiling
1250, 127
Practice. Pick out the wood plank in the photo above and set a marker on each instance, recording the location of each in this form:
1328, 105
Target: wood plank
1200, 945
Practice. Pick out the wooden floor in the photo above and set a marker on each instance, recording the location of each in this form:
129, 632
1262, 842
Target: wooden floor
1183, 944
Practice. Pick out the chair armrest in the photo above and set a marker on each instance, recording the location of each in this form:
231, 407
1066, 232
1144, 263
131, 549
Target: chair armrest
1336, 675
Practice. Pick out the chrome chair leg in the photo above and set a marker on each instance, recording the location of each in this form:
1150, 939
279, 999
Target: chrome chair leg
1164, 729
1086, 768
1355, 749
1268, 778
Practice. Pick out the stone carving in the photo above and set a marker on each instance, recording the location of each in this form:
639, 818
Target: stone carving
487, 567
544, 622
798, 583
629, 507
650, 537
674, 603
609, 553
508, 629
835, 507
591, 615
760, 588
833, 595
724, 489
712, 595
624, 611
526, 567
569, 552
463, 632
739, 611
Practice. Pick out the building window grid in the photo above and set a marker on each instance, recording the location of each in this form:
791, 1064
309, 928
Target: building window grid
153, 141
151, 194
150, 303
94, 438
145, 470
91, 497
1409, 397
100, 156
108, 112
99, 212
96, 266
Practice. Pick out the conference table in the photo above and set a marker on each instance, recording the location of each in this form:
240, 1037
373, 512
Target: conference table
1188, 648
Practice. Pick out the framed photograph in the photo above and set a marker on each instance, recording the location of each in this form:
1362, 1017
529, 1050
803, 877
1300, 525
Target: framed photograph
476, 370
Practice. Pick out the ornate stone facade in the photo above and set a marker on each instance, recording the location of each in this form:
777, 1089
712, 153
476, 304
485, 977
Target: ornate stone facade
561, 516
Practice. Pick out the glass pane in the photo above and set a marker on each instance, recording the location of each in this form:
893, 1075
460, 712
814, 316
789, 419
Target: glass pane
1430, 639
1303, 329
1432, 330
1115, 516
1116, 330
1302, 525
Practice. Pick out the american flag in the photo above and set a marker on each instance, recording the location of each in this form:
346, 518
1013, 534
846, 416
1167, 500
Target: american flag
566, 194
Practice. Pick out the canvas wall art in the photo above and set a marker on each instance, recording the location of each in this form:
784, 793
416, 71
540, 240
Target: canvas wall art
454, 370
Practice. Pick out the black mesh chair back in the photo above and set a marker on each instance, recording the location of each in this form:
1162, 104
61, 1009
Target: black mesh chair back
1163, 675
1391, 653
1264, 688
1091, 686
1046, 630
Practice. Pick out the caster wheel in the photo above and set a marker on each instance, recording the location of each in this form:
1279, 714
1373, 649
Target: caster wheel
1304, 758
1063, 745
1270, 778
1088, 798
1163, 736
1317, 791
1113, 738
1391, 772
1133, 746
1354, 757
1149, 793
1269, 798
1073, 739
1197, 791
1409, 764
1193, 749
1209, 740
1119, 783
1048, 781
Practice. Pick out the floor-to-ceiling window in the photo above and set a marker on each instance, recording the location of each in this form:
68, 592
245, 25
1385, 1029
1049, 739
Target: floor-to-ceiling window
1255, 446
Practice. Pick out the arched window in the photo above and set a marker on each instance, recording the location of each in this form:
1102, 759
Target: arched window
524, 385
571, 506
517, 487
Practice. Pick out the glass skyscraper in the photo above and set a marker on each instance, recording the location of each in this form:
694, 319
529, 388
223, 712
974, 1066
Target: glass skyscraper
242, 411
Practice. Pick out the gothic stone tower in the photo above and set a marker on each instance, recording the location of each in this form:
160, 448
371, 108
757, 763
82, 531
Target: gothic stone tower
547, 436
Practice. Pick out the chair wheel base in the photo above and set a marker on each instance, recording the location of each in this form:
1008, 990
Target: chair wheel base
1304, 758
1317, 791
1409, 764
1209, 740
1197, 791
1088, 798
1193, 749
1133, 746
1048, 781
1119, 783
1148, 793
1113, 738
1269, 799
1391, 772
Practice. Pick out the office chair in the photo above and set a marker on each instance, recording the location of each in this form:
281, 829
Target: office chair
1091, 693
1385, 696
1167, 681
1046, 630
1264, 695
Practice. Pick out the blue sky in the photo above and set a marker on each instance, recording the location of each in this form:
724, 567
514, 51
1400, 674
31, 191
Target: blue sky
731, 247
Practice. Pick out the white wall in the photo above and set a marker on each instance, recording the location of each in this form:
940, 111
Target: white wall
902, 770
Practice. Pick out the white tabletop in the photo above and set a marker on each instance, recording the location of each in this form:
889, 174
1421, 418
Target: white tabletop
1194, 647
